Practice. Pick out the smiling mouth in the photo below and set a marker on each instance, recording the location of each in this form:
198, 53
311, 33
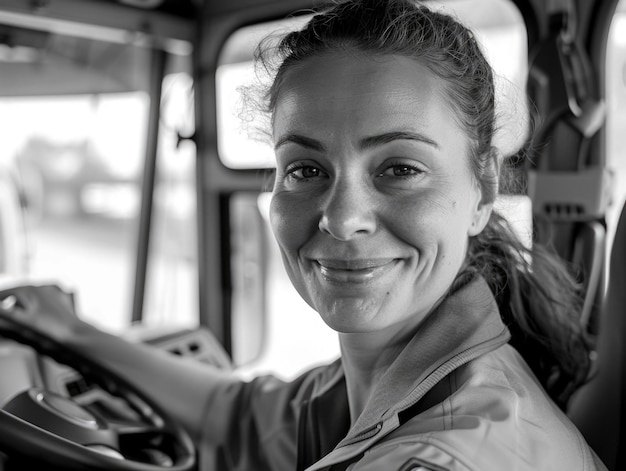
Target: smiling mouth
355, 271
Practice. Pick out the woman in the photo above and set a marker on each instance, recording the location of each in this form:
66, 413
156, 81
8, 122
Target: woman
382, 122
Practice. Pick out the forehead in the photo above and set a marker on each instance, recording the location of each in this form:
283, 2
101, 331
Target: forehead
343, 92
363, 74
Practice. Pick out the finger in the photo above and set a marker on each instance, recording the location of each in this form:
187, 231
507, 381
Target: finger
8, 303
14, 301
9, 318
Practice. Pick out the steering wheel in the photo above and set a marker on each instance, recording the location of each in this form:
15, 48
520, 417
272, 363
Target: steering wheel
41, 425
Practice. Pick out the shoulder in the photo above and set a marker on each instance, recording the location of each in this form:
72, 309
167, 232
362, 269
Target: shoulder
489, 414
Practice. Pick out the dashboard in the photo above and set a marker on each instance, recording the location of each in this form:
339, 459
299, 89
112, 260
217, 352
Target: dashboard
37, 389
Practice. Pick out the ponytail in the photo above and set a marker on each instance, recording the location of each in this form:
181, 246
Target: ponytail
539, 301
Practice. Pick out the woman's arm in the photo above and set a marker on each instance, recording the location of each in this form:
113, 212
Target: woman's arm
181, 387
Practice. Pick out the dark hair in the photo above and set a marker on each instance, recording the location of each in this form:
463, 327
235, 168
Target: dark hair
538, 299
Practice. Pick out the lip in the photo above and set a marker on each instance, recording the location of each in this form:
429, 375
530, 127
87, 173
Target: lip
355, 270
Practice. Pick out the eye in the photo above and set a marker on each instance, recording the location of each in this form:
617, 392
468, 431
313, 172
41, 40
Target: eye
303, 172
401, 170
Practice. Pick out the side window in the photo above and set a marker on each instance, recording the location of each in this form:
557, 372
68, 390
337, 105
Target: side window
171, 296
81, 203
75, 117
616, 112
294, 336
13, 241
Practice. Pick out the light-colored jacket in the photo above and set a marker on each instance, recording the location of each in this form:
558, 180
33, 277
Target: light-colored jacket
458, 398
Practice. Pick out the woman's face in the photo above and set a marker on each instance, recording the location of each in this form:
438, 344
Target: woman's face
374, 198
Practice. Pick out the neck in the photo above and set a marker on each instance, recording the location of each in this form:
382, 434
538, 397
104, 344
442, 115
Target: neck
365, 358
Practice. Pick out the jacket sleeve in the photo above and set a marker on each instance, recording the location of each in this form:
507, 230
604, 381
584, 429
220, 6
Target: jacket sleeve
247, 424
179, 386
248, 419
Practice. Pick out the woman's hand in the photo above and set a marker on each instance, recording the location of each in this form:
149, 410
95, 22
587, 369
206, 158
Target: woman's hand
41, 310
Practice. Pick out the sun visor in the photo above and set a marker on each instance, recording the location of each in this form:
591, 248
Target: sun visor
36, 63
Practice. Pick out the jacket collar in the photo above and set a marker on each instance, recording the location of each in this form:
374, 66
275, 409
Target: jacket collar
466, 325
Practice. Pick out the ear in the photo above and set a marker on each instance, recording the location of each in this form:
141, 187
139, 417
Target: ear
481, 211
482, 208
480, 218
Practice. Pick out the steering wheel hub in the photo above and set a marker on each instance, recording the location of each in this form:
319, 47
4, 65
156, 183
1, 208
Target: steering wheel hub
65, 407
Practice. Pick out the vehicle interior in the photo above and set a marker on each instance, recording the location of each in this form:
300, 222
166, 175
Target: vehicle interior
133, 176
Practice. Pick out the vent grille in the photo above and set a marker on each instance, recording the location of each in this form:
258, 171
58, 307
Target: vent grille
77, 387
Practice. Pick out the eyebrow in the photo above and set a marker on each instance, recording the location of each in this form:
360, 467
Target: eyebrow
385, 138
303, 141
365, 143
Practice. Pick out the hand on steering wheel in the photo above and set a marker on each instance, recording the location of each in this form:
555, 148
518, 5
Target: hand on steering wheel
39, 309
54, 428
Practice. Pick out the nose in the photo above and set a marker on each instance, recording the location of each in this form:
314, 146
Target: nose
348, 211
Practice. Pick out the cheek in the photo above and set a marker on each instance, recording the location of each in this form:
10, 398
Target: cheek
435, 224
422, 217
279, 220
291, 222
292, 226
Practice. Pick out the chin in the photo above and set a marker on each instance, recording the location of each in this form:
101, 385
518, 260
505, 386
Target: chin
353, 324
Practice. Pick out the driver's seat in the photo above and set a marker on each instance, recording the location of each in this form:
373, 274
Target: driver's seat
598, 407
